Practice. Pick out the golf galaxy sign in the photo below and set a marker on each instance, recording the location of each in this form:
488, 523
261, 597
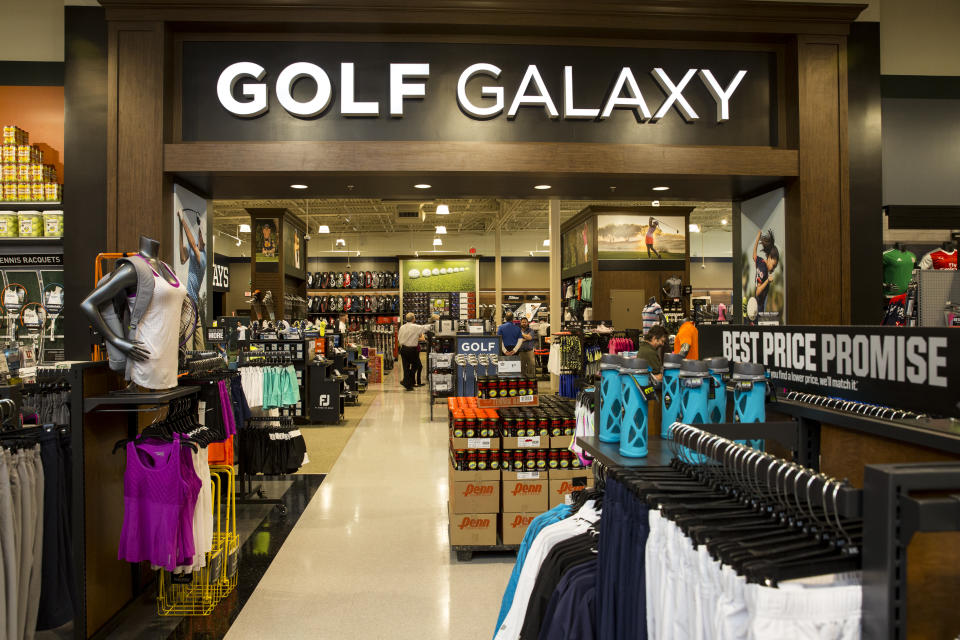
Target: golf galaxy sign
495, 92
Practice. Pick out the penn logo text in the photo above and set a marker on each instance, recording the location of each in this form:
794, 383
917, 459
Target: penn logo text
474, 523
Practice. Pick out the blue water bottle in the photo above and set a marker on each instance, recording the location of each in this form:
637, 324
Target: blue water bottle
749, 396
670, 394
611, 404
635, 390
694, 390
717, 397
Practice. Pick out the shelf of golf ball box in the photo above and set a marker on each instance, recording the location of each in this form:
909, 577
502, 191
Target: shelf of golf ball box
507, 466
461, 306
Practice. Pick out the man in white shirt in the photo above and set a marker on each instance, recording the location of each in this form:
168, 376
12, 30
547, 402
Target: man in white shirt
409, 338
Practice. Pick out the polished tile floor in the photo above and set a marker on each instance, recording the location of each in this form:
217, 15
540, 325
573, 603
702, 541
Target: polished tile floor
370, 557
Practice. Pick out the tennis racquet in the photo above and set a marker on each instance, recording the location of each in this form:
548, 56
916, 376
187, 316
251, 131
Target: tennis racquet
33, 317
188, 320
12, 298
53, 302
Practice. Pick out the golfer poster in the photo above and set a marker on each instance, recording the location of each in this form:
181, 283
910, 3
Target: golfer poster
191, 234
641, 237
763, 278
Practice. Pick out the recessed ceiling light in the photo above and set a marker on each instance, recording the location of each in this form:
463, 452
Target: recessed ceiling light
541, 187
661, 188
441, 229
341, 242
421, 186
546, 242
437, 242
323, 229
298, 186
723, 221
443, 210
239, 242
694, 228
244, 228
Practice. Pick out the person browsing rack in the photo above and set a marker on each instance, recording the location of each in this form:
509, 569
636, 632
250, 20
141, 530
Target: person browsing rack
409, 338
650, 347
510, 335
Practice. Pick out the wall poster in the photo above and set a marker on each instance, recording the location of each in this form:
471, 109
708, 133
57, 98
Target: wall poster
575, 246
763, 277
439, 275
641, 237
190, 247
266, 246
294, 252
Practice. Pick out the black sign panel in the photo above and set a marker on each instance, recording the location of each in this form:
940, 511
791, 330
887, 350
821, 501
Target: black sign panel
220, 280
557, 105
904, 368
32, 260
216, 335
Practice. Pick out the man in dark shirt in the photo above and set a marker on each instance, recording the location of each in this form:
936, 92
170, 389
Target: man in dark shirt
510, 335
527, 345
650, 347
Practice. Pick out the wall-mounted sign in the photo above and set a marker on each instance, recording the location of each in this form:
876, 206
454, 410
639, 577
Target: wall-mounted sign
418, 91
478, 345
903, 368
444, 275
220, 278
32, 259
216, 335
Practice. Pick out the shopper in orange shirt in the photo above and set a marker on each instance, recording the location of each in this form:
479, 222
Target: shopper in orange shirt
686, 341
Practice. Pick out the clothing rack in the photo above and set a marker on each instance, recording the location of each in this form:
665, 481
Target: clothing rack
891, 515
246, 495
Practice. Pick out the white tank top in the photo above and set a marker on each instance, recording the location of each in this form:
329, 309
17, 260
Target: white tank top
159, 331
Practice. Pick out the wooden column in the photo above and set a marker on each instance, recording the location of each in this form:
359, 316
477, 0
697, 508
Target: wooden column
818, 200
136, 189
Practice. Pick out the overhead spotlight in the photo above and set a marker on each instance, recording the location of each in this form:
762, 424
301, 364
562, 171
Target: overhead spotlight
694, 228
437, 242
541, 187
531, 254
244, 228
723, 221
421, 186
341, 242
298, 186
323, 229
358, 253
661, 188
655, 203
546, 242
443, 210
239, 242
441, 229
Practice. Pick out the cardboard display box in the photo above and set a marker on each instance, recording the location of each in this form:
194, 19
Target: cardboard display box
514, 525
473, 529
523, 494
560, 442
474, 492
562, 483
515, 401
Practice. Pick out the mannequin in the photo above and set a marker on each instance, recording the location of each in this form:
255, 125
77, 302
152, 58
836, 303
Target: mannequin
942, 259
898, 266
137, 310
652, 314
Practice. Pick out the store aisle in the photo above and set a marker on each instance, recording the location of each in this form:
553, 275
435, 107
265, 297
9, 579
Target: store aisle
370, 558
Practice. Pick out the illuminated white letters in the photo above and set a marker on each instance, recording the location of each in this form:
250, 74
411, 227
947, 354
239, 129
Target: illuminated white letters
569, 111
408, 80
288, 78
542, 98
400, 89
256, 92
486, 91
633, 101
674, 94
721, 95
348, 106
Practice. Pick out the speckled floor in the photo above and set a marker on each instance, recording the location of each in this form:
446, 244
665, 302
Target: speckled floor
370, 557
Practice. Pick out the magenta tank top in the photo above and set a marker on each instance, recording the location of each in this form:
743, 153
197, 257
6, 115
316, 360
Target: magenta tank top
157, 504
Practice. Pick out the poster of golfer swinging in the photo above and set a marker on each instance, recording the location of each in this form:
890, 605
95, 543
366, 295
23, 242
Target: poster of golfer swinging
641, 237
763, 279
